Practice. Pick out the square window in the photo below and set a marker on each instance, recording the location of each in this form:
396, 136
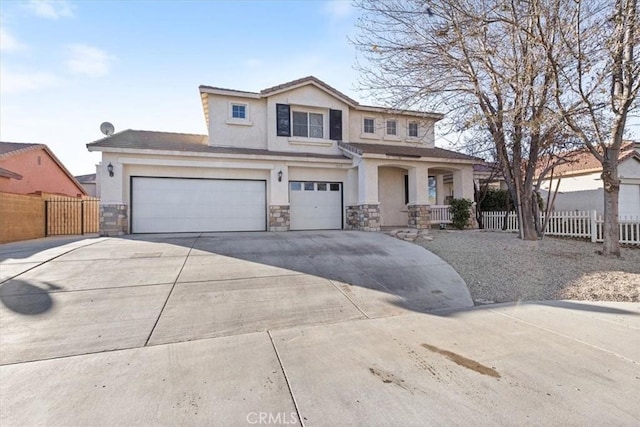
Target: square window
369, 125
308, 125
238, 111
413, 129
334, 187
296, 186
322, 186
392, 127
308, 186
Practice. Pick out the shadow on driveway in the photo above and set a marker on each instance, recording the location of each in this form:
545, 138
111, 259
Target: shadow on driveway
26, 298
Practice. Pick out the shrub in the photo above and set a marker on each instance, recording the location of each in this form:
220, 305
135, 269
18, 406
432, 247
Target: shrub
460, 212
495, 200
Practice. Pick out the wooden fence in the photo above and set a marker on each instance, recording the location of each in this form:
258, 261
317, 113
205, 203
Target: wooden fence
583, 224
66, 215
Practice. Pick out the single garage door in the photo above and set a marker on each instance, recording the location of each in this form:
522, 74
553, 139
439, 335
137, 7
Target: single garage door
166, 205
315, 205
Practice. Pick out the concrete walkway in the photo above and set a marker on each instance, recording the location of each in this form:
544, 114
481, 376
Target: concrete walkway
294, 328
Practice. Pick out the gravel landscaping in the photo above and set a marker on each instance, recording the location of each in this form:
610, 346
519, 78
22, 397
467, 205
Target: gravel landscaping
499, 267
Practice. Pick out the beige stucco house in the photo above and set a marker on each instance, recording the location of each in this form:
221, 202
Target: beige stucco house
298, 156
580, 186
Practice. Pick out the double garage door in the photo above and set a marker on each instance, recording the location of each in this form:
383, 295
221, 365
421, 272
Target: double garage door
166, 205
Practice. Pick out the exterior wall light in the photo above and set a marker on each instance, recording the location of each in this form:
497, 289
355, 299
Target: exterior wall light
279, 176
110, 169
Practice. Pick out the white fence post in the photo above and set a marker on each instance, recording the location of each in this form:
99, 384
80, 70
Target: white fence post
583, 224
594, 226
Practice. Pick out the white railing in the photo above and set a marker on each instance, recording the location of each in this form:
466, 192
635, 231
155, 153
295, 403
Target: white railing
585, 224
440, 214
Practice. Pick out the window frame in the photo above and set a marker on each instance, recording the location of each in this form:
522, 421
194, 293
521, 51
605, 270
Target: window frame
373, 125
395, 127
239, 108
246, 121
309, 126
417, 129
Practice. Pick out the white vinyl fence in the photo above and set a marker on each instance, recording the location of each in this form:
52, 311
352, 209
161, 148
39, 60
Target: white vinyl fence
585, 224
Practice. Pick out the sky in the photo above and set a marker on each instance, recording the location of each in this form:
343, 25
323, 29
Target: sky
68, 66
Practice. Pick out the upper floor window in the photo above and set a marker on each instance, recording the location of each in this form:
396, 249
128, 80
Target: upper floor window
413, 129
308, 125
238, 111
392, 127
368, 125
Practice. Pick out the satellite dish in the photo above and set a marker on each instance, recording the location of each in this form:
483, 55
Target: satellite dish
107, 128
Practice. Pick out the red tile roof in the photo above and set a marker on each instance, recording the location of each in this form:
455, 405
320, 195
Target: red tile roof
581, 161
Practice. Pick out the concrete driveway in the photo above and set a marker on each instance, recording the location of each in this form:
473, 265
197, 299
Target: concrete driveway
293, 328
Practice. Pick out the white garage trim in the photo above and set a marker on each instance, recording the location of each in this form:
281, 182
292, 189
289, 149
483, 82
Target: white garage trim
168, 204
315, 205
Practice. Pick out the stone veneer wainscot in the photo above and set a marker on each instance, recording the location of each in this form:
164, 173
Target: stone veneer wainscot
279, 218
363, 217
419, 216
114, 220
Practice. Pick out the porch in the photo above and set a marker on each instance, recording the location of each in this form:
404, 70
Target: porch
407, 194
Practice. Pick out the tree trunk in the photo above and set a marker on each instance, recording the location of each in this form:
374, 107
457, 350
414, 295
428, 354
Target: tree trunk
528, 225
611, 229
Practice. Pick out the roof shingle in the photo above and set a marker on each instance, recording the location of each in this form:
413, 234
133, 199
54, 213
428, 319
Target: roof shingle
404, 151
166, 141
11, 148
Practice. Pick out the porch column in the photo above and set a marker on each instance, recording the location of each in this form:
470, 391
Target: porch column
419, 212
463, 183
419, 185
440, 189
365, 215
279, 214
367, 183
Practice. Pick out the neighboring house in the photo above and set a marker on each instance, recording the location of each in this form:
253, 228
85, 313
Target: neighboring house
28, 168
297, 156
88, 182
581, 186
488, 175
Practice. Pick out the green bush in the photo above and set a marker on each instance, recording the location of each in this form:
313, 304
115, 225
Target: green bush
496, 200
460, 212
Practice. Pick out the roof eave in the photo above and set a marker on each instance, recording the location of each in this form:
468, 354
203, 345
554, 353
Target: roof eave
256, 156
383, 110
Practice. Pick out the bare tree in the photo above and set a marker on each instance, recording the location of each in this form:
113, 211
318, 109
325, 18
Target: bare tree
597, 77
479, 61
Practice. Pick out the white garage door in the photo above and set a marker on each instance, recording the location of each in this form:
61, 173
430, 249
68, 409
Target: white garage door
165, 205
629, 201
315, 205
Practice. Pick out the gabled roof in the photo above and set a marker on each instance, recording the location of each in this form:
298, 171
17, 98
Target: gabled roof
582, 161
8, 149
309, 80
306, 81
405, 151
187, 143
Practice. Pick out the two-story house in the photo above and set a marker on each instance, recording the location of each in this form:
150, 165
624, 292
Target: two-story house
298, 156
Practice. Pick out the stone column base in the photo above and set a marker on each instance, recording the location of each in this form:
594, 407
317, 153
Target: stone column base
363, 217
114, 220
279, 218
419, 217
